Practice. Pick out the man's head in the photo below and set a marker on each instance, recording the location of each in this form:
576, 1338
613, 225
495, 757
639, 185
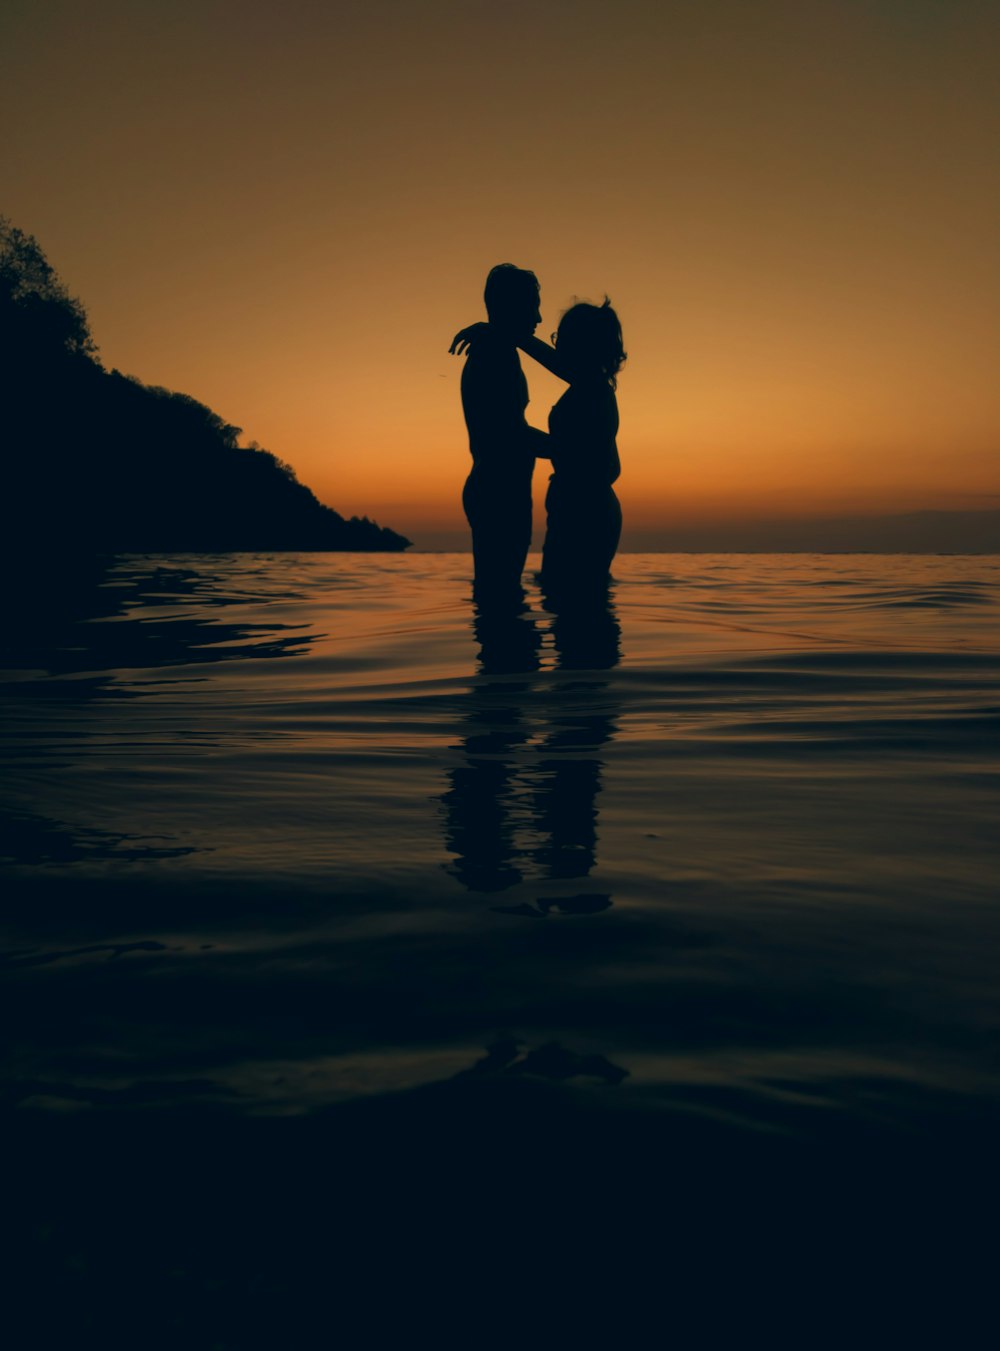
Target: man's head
512, 299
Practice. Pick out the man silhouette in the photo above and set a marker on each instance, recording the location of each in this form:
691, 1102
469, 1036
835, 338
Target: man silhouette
497, 494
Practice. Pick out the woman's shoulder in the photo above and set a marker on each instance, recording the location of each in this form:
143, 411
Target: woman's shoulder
596, 401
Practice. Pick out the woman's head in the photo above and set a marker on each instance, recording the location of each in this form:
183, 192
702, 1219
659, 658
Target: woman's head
589, 341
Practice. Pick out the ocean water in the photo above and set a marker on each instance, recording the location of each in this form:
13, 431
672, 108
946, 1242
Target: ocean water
283, 832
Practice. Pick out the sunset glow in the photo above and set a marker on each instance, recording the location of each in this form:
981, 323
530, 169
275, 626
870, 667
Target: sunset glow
288, 213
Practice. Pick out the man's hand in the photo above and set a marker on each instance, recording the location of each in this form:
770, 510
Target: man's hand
465, 338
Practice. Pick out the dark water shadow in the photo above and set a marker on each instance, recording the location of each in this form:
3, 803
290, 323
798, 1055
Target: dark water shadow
115, 951
541, 1197
80, 619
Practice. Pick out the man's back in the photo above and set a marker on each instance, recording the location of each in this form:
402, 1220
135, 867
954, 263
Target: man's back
494, 399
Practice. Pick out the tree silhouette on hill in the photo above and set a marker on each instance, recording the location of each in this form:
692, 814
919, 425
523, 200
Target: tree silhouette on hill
96, 459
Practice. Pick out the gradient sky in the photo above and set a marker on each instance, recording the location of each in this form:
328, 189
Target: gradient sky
287, 210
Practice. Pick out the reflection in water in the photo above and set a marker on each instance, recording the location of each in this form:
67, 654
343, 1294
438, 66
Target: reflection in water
819, 791
523, 803
551, 1061
94, 628
584, 904
114, 615
30, 840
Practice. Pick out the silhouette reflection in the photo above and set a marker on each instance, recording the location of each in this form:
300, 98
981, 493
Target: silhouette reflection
521, 807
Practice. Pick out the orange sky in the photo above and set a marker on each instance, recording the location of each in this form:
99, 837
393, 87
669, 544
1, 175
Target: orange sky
287, 210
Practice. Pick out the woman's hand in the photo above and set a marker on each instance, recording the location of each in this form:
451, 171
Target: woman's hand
464, 339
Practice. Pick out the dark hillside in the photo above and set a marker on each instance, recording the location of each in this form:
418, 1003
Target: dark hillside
95, 459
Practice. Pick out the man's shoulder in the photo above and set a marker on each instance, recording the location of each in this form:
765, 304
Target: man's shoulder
493, 374
490, 350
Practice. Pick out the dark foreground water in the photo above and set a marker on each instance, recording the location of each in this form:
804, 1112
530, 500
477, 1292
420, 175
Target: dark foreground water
689, 887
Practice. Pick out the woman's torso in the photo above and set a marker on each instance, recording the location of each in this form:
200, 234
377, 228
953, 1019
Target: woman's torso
583, 427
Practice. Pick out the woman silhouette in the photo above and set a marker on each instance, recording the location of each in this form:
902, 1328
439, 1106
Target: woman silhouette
584, 515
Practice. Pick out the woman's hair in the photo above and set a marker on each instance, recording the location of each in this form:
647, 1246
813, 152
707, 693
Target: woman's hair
591, 335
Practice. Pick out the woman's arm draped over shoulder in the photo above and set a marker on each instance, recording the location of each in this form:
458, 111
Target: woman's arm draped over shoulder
463, 340
545, 356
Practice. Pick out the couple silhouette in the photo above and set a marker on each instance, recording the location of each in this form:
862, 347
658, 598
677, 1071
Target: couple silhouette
583, 514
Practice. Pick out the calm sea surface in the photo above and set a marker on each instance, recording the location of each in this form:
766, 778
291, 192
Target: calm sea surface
282, 831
